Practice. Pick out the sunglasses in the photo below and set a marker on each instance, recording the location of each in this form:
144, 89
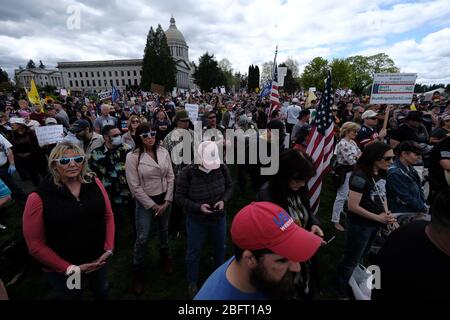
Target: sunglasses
373, 118
66, 161
151, 134
387, 159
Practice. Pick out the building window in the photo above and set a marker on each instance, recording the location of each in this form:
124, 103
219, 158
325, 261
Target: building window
99, 83
123, 82
135, 82
92, 74
117, 82
104, 73
129, 81
74, 74
76, 83
82, 83
88, 84
87, 74
81, 74
105, 82
140, 73
110, 74
98, 74
134, 73
111, 82
71, 83
121, 73
128, 73
69, 75
116, 73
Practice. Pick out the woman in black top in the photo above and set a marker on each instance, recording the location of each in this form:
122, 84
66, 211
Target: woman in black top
288, 189
367, 208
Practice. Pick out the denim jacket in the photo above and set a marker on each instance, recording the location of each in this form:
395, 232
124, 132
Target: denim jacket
404, 189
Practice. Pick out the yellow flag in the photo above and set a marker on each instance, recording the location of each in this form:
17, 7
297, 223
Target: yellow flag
413, 107
311, 97
33, 94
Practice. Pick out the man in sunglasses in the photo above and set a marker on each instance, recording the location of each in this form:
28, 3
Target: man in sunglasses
108, 162
368, 132
82, 135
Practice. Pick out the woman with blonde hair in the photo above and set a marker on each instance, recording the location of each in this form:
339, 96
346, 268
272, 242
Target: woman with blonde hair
68, 223
130, 137
346, 152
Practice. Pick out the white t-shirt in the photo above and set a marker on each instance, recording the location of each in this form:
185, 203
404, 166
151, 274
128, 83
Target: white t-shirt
4, 146
292, 114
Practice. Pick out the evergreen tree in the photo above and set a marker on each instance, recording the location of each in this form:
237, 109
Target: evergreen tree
31, 64
158, 66
256, 77
250, 78
208, 74
3, 76
290, 84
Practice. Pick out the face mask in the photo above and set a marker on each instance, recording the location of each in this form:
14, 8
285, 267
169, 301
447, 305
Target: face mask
116, 141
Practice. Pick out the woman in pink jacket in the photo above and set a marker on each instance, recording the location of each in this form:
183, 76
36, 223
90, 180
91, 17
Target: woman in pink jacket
151, 180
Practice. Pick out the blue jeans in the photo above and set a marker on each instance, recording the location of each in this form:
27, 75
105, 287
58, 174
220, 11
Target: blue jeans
196, 235
97, 282
144, 219
358, 241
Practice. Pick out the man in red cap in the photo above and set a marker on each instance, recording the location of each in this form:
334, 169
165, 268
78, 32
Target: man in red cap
268, 249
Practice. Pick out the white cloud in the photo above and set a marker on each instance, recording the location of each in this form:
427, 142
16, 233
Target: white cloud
244, 31
430, 57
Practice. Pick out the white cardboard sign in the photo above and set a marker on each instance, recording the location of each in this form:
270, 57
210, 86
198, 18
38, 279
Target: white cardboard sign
393, 88
192, 110
49, 134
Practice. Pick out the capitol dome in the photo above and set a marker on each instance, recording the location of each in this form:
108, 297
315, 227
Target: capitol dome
174, 36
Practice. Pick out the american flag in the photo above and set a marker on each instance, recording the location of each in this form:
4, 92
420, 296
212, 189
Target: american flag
320, 143
274, 96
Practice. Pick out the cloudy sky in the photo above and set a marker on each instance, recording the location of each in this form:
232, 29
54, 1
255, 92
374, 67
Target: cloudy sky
416, 34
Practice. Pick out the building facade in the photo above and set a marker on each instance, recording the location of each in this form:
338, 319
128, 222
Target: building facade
180, 54
98, 76
42, 77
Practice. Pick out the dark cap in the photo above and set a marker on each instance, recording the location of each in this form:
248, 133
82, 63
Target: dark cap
304, 113
415, 116
408, 146
79, 125
181, 115
275, 124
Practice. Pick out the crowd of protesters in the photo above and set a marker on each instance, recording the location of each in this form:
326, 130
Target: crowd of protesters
123, 159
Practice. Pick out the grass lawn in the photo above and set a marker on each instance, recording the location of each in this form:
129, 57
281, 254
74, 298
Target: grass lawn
33, 284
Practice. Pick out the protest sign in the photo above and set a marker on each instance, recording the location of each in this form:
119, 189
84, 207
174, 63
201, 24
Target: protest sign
393, 88
223, 90
282, 72
104, 95
215, 90
312, 89
49, 134
192, 110
63, 93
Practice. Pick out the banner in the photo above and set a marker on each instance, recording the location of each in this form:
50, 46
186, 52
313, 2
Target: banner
104, 95
393, 88
192, 110
49, 134
63, 93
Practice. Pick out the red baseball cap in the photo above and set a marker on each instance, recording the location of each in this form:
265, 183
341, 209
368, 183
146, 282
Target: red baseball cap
264, 225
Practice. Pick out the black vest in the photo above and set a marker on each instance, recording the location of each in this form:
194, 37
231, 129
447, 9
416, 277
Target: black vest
74, 229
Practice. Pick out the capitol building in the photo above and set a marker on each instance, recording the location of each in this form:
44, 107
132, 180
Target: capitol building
98, 76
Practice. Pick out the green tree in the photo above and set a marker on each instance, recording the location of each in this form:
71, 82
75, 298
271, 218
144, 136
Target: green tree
314, 74
41, 65
226, 67
363, 69
341, 73
3, 76
158, 66
290, 84
256, 78
31, 64
208, 74
447, 88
